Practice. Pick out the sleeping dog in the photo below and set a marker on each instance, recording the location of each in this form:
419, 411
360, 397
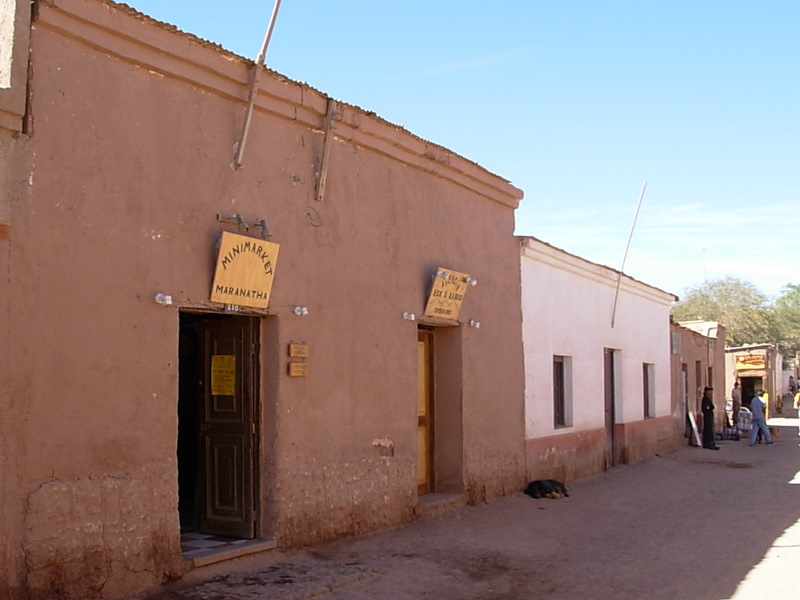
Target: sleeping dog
546, 488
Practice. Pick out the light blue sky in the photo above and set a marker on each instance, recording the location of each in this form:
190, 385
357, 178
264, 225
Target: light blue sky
576, 102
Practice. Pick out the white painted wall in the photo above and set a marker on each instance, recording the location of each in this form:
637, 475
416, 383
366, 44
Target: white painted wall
567, 307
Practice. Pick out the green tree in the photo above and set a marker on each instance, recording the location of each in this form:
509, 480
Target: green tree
786, 320
744, 311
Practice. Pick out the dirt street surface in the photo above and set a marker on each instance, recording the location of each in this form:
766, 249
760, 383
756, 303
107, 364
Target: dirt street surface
692, 524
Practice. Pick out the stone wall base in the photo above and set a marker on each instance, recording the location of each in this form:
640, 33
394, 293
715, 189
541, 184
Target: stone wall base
101, 537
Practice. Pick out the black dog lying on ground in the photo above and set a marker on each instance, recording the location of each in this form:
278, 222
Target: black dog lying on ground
546, 488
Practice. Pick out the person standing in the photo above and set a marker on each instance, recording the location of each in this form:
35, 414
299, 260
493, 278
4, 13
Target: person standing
797, 406
759, 422
707, 406
736, 396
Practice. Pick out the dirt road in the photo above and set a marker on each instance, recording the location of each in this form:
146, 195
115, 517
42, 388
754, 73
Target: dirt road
692, 524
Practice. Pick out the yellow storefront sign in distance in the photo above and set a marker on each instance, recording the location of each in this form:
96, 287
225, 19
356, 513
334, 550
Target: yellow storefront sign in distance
750, 361
244, 272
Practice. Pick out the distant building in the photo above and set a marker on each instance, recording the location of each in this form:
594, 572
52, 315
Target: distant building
758, 367
698, 360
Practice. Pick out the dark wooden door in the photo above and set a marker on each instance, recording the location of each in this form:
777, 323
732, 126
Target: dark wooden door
227, 426
609, 395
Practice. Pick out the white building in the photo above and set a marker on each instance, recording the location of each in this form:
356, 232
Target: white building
597, 365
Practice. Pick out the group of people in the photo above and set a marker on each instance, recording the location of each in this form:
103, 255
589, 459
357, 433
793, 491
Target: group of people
757, 406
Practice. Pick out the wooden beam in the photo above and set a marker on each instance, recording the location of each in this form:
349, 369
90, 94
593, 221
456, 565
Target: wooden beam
323, 167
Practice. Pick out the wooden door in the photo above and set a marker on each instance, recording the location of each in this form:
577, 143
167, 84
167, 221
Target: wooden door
424, 411
609, 394
227, 426
687, 430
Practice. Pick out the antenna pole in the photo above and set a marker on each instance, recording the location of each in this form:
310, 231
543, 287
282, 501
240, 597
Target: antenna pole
625, 255
251, 99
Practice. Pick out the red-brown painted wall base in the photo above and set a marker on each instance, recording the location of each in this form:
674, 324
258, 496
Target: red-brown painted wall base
567, 456
640, 439
571, 456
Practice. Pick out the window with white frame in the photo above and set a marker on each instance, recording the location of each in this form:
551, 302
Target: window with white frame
562, 391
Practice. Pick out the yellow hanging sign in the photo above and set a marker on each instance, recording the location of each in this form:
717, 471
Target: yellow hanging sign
244, 272
447, 293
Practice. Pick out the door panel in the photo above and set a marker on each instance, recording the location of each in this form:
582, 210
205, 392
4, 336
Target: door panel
226, 485
424, 416
608, 357
227, 427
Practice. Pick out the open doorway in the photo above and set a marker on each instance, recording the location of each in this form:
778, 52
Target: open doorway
217, 424
750, 385
439, 412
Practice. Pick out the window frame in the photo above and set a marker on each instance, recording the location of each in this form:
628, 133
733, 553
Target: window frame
648, 390
562, 391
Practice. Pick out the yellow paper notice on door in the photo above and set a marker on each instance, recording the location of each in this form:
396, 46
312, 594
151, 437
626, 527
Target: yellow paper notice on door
223, 375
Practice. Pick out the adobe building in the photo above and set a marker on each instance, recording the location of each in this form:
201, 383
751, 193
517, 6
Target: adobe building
597, 365
320, 341
698, 360
759, 367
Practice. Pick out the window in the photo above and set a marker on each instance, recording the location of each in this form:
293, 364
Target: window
698, 382
562, 391
648, 390
676, 342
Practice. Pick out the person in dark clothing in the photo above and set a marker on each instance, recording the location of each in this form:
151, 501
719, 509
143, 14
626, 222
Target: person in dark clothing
707, 406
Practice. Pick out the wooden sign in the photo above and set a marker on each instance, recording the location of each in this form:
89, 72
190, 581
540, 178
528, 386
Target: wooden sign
298, 350
745, 362
298, 369
447, 293
244, 272
694, 428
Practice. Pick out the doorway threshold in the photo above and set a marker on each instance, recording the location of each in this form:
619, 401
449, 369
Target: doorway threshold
202, 549
434, 504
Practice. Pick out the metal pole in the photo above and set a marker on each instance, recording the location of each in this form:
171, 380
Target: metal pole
240, 143
624, 256
323, 169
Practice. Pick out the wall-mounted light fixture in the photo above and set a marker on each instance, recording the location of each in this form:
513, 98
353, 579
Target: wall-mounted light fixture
163, 299
245, 226
300, 310
471, 281
409, 316
474, 323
